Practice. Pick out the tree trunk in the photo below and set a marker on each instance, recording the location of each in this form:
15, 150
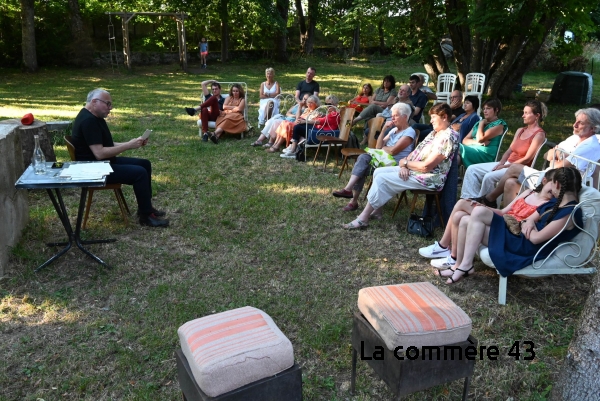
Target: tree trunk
461, 38
81, 49
578, 378
28, 36
504, 89
224, 15
356, 39
381, 36
313, 14
283, 7
301, 24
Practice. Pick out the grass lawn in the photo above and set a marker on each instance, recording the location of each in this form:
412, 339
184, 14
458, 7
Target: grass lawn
247, 228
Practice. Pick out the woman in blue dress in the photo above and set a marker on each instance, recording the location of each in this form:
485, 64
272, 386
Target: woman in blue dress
510, 252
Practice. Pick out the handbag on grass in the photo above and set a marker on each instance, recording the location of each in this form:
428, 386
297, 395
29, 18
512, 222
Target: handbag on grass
379, 158
420, 225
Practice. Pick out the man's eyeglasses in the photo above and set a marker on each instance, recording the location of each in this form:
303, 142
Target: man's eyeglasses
108, 104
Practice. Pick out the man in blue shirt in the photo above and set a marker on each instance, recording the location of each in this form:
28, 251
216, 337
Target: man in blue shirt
418, 98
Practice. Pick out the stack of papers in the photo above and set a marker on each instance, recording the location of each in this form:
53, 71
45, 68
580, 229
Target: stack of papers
86, 171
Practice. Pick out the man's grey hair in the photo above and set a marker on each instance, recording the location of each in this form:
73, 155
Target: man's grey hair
95, 93
593, 116
402, 108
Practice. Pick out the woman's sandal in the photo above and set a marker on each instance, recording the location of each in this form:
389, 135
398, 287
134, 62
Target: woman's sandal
256, 143
272, 149
355, 225
467, 274
267, 145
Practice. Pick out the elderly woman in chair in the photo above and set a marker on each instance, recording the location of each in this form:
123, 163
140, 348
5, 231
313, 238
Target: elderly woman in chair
425, 168
398, 143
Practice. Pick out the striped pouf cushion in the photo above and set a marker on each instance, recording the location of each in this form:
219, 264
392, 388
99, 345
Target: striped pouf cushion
231, 349
413, 314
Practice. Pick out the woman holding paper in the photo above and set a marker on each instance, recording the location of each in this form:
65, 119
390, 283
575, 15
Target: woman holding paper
398, 143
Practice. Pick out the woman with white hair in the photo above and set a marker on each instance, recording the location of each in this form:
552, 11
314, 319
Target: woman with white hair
398, 143
426, 167
268, 92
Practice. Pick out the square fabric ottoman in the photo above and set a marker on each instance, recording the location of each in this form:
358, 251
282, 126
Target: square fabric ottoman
397, 322
228, 350
413, 314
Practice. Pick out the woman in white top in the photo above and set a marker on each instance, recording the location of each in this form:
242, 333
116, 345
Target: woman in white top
268, 91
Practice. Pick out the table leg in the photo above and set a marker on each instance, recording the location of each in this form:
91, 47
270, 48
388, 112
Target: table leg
73, 236
353, 374
78, 241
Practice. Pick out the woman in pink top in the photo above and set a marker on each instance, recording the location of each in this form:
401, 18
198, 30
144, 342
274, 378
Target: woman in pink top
480, 179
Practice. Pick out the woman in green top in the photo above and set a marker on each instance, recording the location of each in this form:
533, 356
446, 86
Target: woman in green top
481, 144
383, 97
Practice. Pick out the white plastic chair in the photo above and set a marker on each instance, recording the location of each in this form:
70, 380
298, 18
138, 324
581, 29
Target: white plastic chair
225, 94
474, 84
445, 86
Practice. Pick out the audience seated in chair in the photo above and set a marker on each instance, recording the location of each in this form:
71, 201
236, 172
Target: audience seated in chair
424, 168
363, 99
384, 97
208, 113
270, 130
417, 97
231, 119
510, 252
464, 122
398, 142
456, 104
443, 253
285, 129
482, 143
314, 125
583, 143
481, 178
268, 93
307, 86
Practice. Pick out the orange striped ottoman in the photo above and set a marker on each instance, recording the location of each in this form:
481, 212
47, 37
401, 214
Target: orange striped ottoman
237, 355
413, 336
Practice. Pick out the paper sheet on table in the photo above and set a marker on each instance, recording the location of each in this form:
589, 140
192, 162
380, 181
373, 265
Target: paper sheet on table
89, 171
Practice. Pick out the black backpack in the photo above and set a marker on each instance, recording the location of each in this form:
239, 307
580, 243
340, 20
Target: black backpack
353, 141
300, 154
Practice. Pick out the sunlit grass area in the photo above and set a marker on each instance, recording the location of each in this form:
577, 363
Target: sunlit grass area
247, 228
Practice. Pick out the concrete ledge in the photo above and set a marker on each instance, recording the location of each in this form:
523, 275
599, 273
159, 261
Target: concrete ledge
57, 125
14, 208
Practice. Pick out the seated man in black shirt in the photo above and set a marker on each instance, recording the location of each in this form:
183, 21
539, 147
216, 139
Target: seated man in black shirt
93, 141
308, 85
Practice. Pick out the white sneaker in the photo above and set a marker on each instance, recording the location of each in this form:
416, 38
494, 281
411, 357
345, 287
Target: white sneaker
434, 251
289, 152
444, 263
288, 155
288, 148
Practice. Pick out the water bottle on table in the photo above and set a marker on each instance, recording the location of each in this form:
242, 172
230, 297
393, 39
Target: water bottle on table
38, 160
